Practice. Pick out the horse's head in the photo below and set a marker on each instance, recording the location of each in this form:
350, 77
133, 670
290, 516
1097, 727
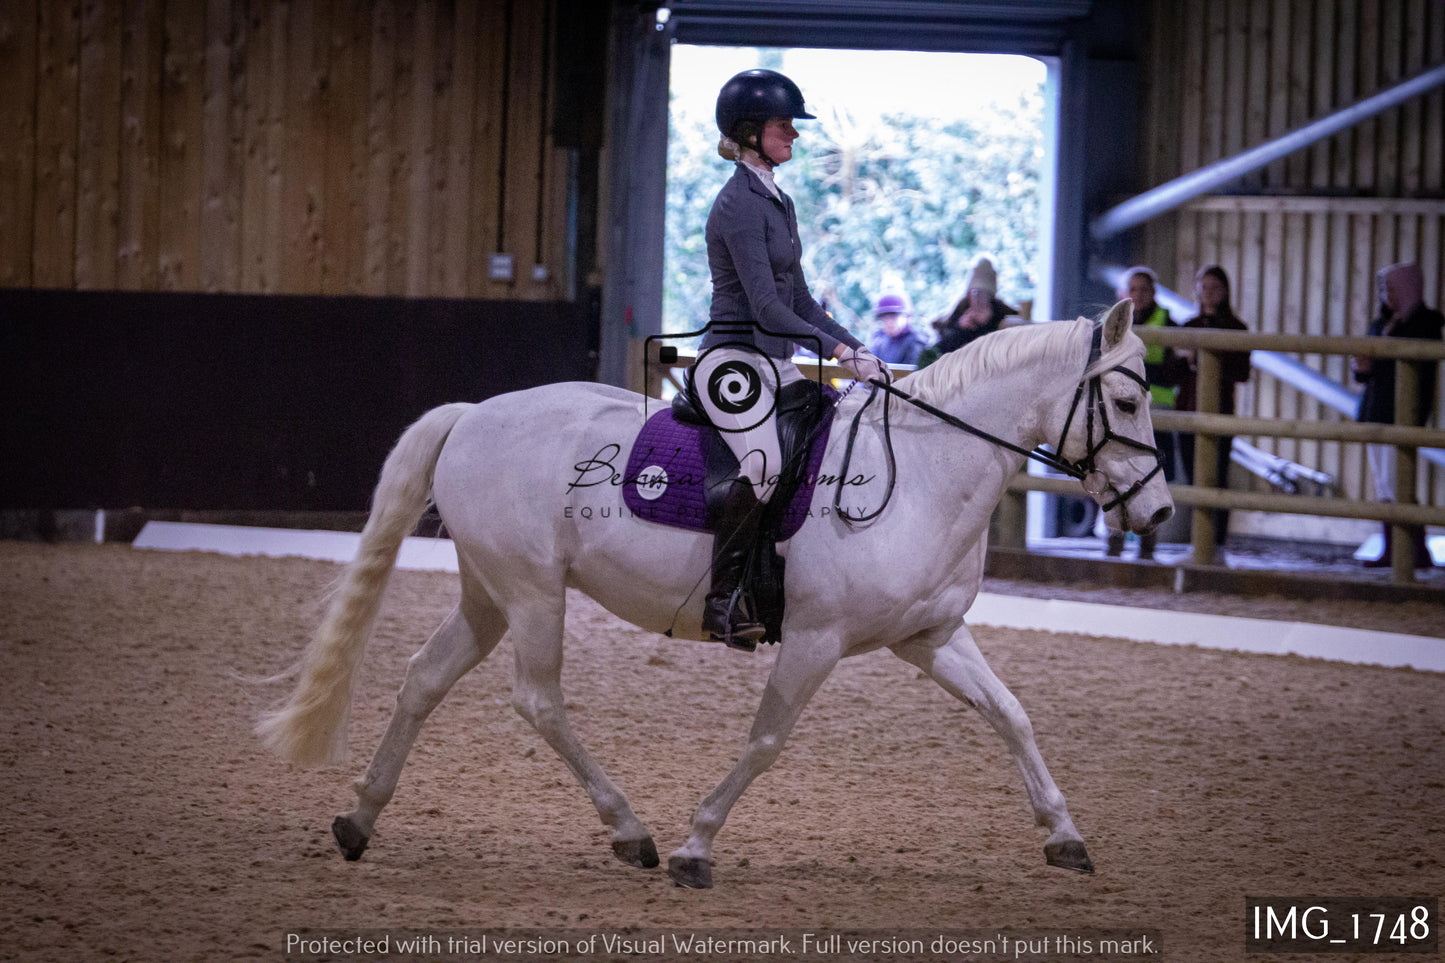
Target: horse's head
1107, 433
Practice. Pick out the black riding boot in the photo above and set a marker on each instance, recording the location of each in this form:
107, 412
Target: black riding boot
724, 617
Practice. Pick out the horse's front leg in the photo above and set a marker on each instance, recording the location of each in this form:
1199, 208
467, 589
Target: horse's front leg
796, 675
959, 667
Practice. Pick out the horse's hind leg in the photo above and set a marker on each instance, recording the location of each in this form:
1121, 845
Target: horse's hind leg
799, 670
959, 667
467, 635
537, 696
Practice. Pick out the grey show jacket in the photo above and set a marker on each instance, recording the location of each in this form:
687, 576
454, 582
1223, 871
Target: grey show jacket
757, 275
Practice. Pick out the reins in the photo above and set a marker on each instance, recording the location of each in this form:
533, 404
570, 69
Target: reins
1085, 470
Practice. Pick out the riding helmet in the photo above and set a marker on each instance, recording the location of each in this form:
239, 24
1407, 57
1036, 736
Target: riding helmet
757, 95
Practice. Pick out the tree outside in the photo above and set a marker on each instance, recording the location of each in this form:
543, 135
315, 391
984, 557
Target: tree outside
898, 202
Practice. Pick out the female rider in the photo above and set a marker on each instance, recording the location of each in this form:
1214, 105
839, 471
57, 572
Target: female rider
760, 307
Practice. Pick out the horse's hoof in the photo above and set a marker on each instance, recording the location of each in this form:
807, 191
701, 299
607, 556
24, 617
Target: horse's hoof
1069, 855
351, 840
636, 852
690, 873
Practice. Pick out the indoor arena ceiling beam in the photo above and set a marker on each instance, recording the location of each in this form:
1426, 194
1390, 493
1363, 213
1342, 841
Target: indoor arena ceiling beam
1181, 190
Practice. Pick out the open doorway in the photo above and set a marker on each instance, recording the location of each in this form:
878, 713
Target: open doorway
917, 164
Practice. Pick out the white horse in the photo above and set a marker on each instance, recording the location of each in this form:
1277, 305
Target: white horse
504, 475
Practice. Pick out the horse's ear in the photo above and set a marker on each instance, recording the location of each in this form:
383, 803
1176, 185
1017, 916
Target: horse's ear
1117, 321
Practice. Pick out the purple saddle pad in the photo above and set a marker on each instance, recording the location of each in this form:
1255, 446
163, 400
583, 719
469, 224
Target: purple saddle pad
666, 475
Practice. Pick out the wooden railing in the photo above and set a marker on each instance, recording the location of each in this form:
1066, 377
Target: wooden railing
1208, 425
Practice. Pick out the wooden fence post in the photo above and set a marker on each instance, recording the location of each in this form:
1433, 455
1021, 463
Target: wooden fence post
1407, 395
1206, 448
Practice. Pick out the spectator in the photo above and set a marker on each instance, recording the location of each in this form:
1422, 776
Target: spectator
1211, 291
1403, 314
1162, 368
976, 314
895, 341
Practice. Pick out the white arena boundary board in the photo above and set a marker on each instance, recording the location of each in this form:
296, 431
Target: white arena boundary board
1161, 626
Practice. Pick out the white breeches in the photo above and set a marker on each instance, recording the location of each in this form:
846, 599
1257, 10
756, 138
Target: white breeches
738, 390
1382, 470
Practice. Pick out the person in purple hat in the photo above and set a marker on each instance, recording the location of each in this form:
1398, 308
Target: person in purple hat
895, 341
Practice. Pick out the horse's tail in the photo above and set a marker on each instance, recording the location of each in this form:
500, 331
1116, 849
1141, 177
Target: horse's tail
309, 729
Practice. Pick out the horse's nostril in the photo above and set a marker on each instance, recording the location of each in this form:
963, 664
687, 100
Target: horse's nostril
1161, 516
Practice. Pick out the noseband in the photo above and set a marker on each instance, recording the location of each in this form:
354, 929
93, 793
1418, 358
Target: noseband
1085, 469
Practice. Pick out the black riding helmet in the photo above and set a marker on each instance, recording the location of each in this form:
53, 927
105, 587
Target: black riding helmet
755, 96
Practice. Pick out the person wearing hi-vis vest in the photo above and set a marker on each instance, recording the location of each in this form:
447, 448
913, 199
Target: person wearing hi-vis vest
1162, 368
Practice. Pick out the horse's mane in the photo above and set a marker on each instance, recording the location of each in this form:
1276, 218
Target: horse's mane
1006, 349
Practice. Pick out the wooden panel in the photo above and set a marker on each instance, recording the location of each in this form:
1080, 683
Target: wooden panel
1189, 259
303, 146
143, 35
1410, 118
1191, 107
452, 126
257, 269
1244, 117
344, 102
488, 145
379, 146
55, 144
273, 145
98, 156
19, 25
422, 97
1337, 47
223, 118
1433, 111
1216, 41
550, 250
1365, 172
1387, 127
525, 129
558, 188
1329, 89
1338, 317
403, 155
1304, 204
1303, 307
303, 150
1277, 47
178, 252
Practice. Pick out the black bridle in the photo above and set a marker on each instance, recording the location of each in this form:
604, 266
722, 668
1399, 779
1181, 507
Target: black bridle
1084, 469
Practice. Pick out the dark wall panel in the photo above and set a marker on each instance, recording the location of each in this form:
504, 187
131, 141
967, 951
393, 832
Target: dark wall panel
198, 401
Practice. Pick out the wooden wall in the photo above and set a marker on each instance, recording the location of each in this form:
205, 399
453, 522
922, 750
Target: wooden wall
1302, 238
373, 147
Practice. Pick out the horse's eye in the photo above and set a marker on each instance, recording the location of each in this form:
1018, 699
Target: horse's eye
1126, 406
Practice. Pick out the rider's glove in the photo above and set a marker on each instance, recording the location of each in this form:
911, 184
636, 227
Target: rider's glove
864, 365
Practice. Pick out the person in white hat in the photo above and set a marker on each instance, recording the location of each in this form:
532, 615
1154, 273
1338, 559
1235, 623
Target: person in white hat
895, 341
977, 313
